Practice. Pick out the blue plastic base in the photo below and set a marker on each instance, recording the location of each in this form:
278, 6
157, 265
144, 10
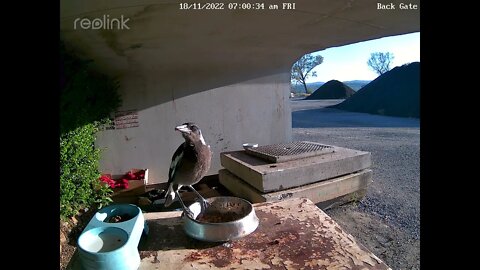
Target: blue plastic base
112, 246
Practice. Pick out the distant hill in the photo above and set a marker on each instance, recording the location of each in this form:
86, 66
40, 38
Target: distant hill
355, 85
332, 90
395, 93
298, 88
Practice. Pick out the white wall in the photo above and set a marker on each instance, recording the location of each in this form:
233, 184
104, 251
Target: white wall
252, 111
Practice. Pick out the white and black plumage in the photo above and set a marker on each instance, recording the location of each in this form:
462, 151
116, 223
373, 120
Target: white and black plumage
190, 162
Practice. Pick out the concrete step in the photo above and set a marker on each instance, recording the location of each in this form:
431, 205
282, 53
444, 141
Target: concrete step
354, 184
267, 176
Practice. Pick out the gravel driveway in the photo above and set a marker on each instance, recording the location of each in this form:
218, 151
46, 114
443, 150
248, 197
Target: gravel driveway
387, 220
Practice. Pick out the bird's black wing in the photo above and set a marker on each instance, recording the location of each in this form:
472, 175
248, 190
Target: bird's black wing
176, 161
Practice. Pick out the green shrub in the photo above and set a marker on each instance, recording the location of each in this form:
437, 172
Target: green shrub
79, 185
86, 101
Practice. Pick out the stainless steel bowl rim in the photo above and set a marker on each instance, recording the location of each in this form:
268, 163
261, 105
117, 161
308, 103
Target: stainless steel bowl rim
222, 223
222, 231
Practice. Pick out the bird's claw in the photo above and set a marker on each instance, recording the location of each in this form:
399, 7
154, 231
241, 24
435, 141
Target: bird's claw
204, 204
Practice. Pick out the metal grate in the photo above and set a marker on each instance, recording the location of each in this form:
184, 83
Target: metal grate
289, 151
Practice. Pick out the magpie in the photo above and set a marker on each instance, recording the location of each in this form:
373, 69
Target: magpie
190, 162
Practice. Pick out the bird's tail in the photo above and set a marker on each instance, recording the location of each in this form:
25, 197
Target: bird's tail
169, 196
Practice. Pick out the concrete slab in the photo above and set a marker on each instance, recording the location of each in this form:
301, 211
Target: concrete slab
267, 176
318, 192
292, 234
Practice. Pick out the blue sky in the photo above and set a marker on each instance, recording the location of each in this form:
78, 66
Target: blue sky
349, 62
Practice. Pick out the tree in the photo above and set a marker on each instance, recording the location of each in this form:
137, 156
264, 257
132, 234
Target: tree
380, 62
301, 70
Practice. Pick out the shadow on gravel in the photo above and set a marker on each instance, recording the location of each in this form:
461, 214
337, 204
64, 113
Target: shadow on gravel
328, 118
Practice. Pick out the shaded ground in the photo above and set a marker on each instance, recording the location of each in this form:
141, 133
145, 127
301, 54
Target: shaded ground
70, 230
387, 220
313, 114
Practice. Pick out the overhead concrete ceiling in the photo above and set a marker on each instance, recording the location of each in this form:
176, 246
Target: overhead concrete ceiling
217, 47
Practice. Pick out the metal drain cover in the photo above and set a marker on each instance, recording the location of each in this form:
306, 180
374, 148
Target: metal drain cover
289, 151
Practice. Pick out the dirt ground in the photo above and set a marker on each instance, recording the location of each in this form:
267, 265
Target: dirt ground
394, 246
387, 219
69, 232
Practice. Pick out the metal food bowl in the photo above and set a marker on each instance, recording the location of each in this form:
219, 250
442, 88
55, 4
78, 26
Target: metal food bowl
226, 218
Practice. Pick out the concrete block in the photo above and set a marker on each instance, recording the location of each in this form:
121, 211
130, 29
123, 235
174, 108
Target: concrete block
322, 191
267, 176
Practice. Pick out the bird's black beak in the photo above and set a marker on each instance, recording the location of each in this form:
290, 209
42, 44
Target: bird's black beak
183, 129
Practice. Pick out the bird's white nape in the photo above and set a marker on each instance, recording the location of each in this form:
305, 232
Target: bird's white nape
202, 139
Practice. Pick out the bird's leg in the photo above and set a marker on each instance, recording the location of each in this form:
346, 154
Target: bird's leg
185, 208
204, 202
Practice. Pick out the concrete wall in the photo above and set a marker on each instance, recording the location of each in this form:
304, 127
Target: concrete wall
252, 111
